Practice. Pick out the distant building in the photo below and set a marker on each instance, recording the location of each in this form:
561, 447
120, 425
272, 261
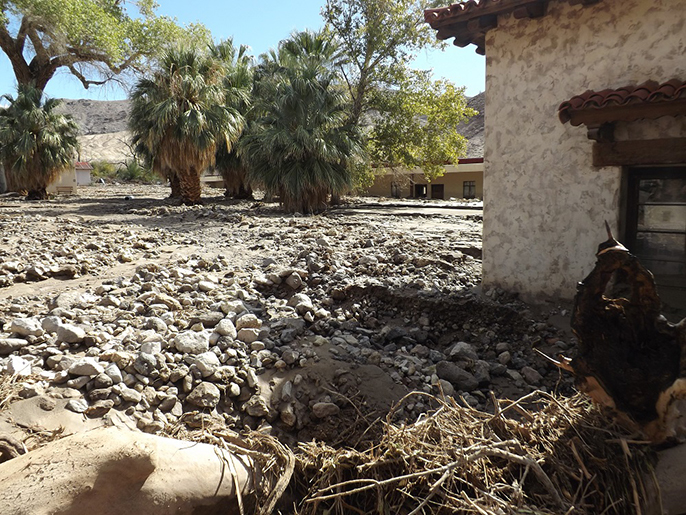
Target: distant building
69, 180
462, 180
83, 173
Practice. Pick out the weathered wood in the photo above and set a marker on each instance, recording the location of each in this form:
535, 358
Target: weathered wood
641, 152
533, 10
630, 358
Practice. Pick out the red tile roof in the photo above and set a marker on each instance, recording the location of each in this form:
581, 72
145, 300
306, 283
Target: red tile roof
82, 165
469, 20
627, 103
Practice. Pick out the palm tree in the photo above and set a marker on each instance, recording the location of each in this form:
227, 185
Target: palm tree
179, 117
300, 146
36, 142
238, 82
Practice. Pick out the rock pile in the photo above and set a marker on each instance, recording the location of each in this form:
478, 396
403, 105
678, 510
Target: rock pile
274, 325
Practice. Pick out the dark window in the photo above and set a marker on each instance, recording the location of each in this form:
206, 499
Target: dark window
420, 190
656, 227
469, 189
437, 191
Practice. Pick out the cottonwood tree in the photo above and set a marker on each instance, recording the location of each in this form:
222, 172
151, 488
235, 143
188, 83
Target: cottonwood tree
377, 40
95, 40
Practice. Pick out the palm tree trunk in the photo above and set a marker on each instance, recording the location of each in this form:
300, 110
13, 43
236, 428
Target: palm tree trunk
175, 185
189, 181
38, 194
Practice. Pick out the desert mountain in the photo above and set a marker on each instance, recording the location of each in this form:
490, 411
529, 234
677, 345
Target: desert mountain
104, 136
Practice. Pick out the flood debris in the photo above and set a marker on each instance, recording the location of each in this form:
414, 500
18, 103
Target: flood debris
630, 358
541, 454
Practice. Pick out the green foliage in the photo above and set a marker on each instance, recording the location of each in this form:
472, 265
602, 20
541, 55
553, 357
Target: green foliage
377, 39
94, 40
415, 125
179, 117
300, 145
36, 142
409, 119
103, 170
133, 171
238, 71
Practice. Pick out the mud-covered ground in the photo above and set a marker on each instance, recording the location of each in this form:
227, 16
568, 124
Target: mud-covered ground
121, 305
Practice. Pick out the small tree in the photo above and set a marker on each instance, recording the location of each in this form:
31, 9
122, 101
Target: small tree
301, 147
178, 118
36, 142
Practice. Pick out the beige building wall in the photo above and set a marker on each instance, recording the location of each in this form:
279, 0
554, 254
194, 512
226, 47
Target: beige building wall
452, 181
545, 204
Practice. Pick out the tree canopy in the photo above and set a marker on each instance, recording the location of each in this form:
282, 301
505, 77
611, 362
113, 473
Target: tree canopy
410, 120
95, 40
36, 142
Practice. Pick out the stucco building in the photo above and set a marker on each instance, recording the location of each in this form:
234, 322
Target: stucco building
585, 122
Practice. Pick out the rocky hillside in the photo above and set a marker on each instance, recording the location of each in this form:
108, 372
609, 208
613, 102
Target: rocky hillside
104, 137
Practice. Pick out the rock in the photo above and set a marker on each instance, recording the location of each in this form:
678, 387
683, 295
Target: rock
256, 407
27, 327
446, 387
113, 372
18, 366
248, 321
77, 405
100, 408
145, 363
205, 395
302, 303
288, 416
531, 376
86, 367
10, 345
191, 342
226, 328
207, 363
206, 286
294, 281
504, 357
325, 409
69, 333
127, 394
248, 335
459, 378
103, 380
51, 323
462, 351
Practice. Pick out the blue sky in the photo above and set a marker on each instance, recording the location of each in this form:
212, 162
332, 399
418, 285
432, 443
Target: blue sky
261, 25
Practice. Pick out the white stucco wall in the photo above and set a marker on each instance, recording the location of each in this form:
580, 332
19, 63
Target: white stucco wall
545, 204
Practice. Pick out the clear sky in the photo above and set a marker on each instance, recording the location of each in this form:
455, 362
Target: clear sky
261, 25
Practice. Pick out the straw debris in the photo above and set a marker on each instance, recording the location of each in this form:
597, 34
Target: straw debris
540, 454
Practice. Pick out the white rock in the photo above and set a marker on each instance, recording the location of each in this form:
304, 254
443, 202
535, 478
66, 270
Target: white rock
248, 321
86, 367
207, 363
226, 328
233, 306
27, 327
191, 342
206, 286
248, 335
18, 366
69, 333
77, 405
